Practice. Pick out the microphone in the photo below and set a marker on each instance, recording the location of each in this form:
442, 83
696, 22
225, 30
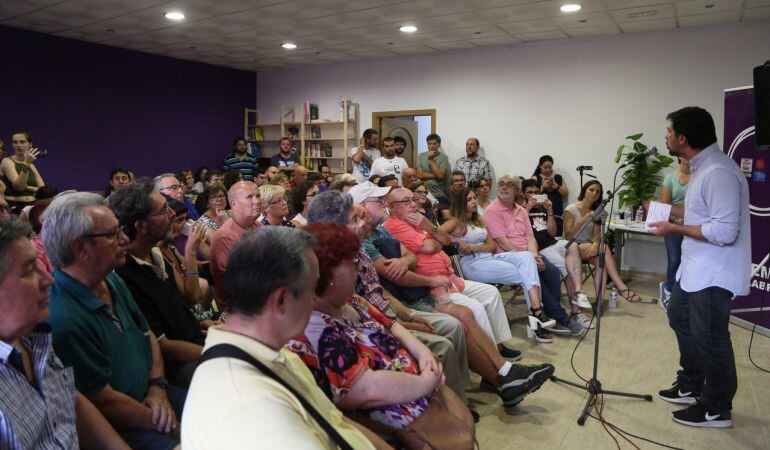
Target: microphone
649, 152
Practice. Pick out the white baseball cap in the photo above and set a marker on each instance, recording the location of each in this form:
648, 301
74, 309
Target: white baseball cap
362, 191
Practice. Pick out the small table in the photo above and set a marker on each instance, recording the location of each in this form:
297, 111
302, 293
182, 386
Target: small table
621, 230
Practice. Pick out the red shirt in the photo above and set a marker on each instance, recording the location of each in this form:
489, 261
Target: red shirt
222, 241
512, 224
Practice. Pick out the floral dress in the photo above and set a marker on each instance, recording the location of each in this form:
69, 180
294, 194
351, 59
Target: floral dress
338, 352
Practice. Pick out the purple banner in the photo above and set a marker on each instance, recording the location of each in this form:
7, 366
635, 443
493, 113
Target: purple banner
740, 144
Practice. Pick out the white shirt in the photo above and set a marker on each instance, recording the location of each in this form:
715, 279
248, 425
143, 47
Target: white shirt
362, 171
395, 166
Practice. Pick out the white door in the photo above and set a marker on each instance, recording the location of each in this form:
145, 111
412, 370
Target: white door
407, 129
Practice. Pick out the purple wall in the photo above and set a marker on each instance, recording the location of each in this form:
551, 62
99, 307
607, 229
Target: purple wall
94, 107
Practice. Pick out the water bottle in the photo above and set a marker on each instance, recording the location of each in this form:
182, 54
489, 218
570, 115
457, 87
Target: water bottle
629, 219
639, 214
613, 298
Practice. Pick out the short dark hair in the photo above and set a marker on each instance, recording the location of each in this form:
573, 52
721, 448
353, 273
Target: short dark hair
384, 179
198, 172
46, 191
131, 203
400, 139
695, 124
10, 232
477, 141
433, 137
388, 139
530, 182
237, 140
212, 173
297, 196
369, 132
117, 170
458, 172
262, 261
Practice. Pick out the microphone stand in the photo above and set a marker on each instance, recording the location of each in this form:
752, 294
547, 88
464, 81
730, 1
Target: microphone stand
594, 387
581, 170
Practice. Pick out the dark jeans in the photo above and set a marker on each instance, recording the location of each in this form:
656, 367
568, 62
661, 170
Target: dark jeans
550, 291
674, 256
152, 440
700, 321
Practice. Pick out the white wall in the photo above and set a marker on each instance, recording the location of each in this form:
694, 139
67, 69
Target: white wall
573, 99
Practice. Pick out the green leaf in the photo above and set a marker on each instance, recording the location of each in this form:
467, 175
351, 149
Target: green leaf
619, 153
635, 137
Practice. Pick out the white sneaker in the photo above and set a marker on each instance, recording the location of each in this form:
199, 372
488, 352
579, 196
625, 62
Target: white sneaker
581, 300
664, 299
584, 321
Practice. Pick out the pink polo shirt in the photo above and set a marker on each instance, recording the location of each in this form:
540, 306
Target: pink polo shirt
502, 222
222, 241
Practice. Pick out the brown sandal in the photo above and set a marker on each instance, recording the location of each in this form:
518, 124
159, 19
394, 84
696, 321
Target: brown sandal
630, 295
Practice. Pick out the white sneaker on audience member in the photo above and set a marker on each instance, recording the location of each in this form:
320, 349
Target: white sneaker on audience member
584, 321
581, 300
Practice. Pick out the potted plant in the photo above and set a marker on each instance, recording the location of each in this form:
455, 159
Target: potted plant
643, 178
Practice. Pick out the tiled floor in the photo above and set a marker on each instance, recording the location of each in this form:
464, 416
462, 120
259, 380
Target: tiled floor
638, 354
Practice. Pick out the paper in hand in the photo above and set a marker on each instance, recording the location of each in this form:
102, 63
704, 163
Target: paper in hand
657, 212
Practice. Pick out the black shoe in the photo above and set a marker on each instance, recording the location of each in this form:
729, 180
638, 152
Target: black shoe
487, 386
476, 416
676, 394
509, 353
522, 380
698, 415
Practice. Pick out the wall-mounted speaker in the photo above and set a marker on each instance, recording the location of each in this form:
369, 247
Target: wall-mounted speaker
762, 104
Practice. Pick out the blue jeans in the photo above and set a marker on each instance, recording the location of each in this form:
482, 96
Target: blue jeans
674, 256
700, 320
503, 268
550, 292
153, 440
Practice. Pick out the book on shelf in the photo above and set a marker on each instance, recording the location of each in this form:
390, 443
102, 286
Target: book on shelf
309, 112
292, 132
315, 132
326, 150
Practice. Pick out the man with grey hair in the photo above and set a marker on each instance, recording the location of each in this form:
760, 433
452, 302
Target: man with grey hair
99, 330
245, 206
168, 185
26, 353
270, 282
442, 333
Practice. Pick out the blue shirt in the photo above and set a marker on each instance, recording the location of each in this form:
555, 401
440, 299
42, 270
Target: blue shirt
30, 417
717, 200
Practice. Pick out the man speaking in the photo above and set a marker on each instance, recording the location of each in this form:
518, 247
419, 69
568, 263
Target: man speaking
716, 259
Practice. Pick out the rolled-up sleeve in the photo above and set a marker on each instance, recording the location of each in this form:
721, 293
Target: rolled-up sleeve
723, 223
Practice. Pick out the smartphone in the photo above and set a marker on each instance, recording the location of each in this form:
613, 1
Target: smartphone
540, 198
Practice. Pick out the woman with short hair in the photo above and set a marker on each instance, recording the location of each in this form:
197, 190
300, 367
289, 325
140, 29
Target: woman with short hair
275, 207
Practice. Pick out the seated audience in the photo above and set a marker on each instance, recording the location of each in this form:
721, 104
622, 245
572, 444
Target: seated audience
457, 182
326, 173
300, 199
474, 166
286, 158
245, 207
270, 282
240, 161
481, 189
375, 179
21, 177
44, 193
231, 178
298, 175
200, 179
99, 331
424, 205
216, 213
552, 185
275, 207
343, 182
480, 263
441, 333
280, 179
214, 176
259, 177
588, 239
39, 407
119, 177
388, 181
145, 217
270, 172
170, 186
35, 214
379, 371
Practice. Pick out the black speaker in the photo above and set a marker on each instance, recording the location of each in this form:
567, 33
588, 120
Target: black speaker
762, 104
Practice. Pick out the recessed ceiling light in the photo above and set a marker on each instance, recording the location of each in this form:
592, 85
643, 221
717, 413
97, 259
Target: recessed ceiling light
174, 15
570, 7
408, 29
709, 6
643, 14
289, 45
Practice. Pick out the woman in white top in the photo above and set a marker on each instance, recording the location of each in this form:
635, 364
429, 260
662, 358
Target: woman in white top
480, 187
578, 213
479, 263
300, 199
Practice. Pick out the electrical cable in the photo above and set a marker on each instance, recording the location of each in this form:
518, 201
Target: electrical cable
753, 331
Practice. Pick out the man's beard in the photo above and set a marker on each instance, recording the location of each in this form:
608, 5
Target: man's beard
472, 154
400, 151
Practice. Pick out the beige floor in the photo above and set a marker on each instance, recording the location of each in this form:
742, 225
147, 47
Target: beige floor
638, 354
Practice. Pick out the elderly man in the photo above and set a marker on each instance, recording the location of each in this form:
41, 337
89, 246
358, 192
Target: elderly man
245, 205
508, 224
441, 333
298, 175
38, 401
270, 283
170, 186
473, 165
99, 330
146, 219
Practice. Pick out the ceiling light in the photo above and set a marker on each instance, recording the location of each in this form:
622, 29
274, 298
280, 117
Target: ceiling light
289, 46
651, 13
408, 29
570, 7
174, 15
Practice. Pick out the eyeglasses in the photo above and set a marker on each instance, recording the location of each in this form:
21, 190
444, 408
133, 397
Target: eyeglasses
405, 201
375, 200
509, 185
420, 192
114, 234
176, 187
218, 197
312, 194
163, 210
5, 208
277, 202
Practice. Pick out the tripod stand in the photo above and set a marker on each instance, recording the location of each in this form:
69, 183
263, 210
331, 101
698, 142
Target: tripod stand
594, 387
582, 169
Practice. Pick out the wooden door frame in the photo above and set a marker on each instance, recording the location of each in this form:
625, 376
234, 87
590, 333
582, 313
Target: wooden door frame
377, 116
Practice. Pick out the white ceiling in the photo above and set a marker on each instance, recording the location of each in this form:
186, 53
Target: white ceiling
247, 34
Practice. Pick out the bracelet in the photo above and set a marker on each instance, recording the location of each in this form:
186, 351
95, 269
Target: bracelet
410, 317
188, 274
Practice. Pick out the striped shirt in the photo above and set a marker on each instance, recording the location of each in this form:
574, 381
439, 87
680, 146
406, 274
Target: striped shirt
245, 165
36, 417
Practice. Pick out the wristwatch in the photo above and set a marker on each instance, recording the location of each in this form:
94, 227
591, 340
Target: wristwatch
410, 317
161, 382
